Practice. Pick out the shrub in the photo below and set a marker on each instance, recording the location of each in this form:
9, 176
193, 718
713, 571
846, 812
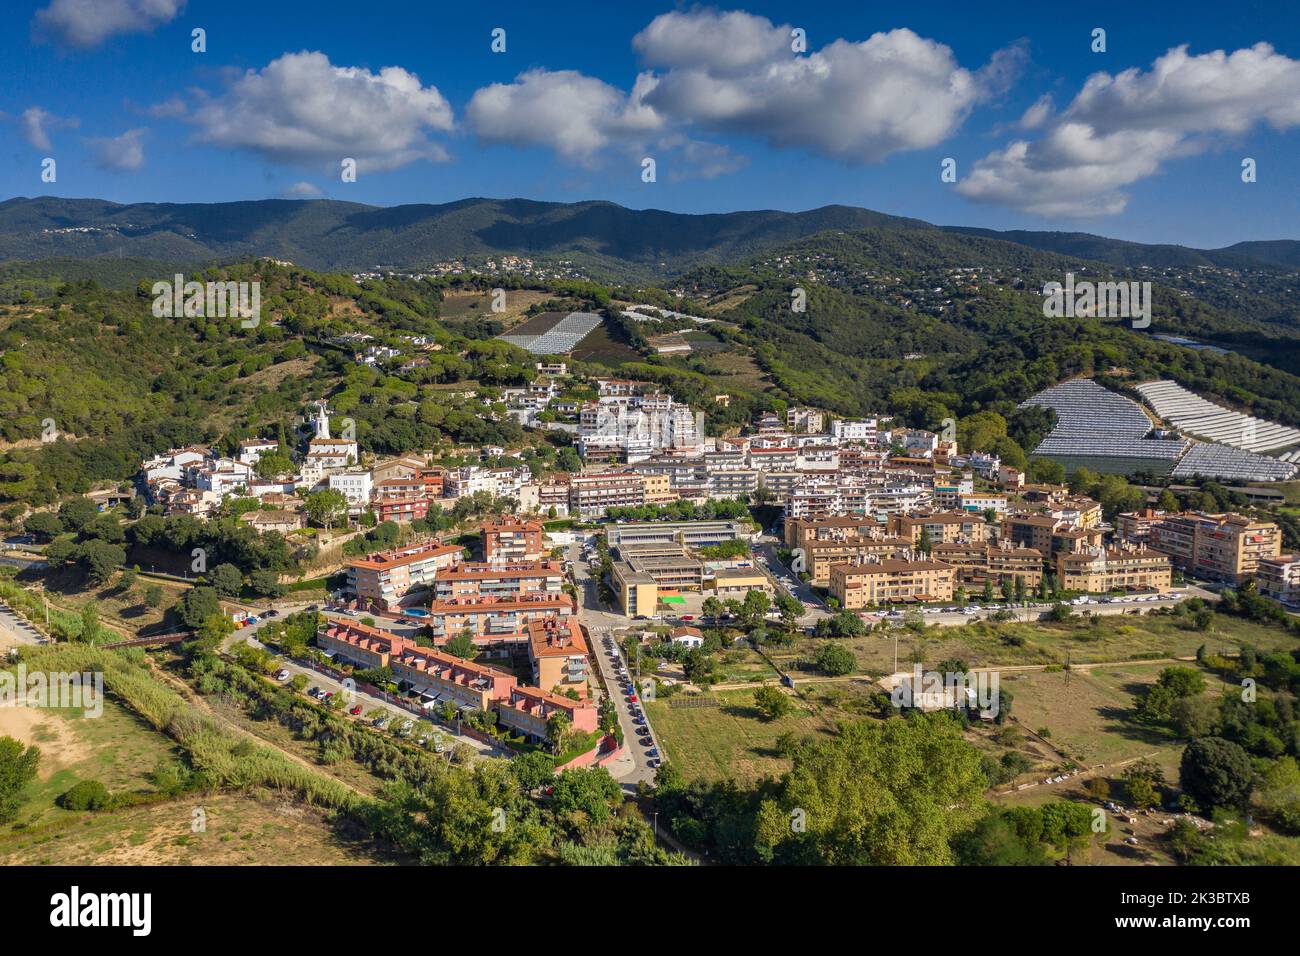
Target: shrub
86, 795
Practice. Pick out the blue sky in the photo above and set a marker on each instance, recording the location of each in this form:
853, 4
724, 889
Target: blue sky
1150, 148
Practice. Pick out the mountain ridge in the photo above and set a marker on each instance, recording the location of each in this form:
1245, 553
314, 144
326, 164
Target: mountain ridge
601, 235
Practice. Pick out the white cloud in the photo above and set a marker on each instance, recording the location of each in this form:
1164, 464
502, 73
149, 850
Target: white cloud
37, 124
120, 153
575, 115
302, 109
1037, 114
302, 190
722, 43
736, 73
87, 23
856, 101
1121, 129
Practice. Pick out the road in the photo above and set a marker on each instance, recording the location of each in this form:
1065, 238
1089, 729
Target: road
801, 590
367, 701
15, 630
632, 767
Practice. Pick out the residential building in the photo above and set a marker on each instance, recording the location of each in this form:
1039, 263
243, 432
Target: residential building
510, 540
499, 580
1222, 547
558, 654
1279, 578
383, 579
1100, 570
591, 495
890, 581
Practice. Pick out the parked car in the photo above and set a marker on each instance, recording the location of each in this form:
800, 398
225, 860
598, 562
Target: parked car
314, 692
282, 674
355, 711
271, 613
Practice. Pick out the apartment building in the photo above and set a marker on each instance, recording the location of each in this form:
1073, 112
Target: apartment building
402, 510
891, 581
356, 485
658, 489
472, 580
591, 495
980, 562
1279, 578
739, 483
1222, 547
511, 540
800, 419
822, 554
383, 579
558, 654
1043, 533
1134, 527
943, 527
494, 620
1099, 570
799, 532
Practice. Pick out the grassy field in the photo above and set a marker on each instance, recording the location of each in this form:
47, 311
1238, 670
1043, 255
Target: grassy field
733, 740
237, 830
462, 306
117, 749
1088, 713
987, 644
730, 740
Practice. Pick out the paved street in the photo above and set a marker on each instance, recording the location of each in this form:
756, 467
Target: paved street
15, 631
633, 766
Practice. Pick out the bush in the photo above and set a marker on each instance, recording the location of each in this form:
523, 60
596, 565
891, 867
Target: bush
87, 795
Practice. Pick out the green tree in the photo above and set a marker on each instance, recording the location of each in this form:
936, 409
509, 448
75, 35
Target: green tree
326, 507
198, 604
18, 766
772, 703
226, 579
86, 795
892, 793
462, 645
90, 626
1217, 773
44, 524
99, 559
589, 791
835, 660
533, 770
153, 595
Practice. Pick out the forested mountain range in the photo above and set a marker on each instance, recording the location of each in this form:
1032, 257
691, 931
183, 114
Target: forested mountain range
607, 240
